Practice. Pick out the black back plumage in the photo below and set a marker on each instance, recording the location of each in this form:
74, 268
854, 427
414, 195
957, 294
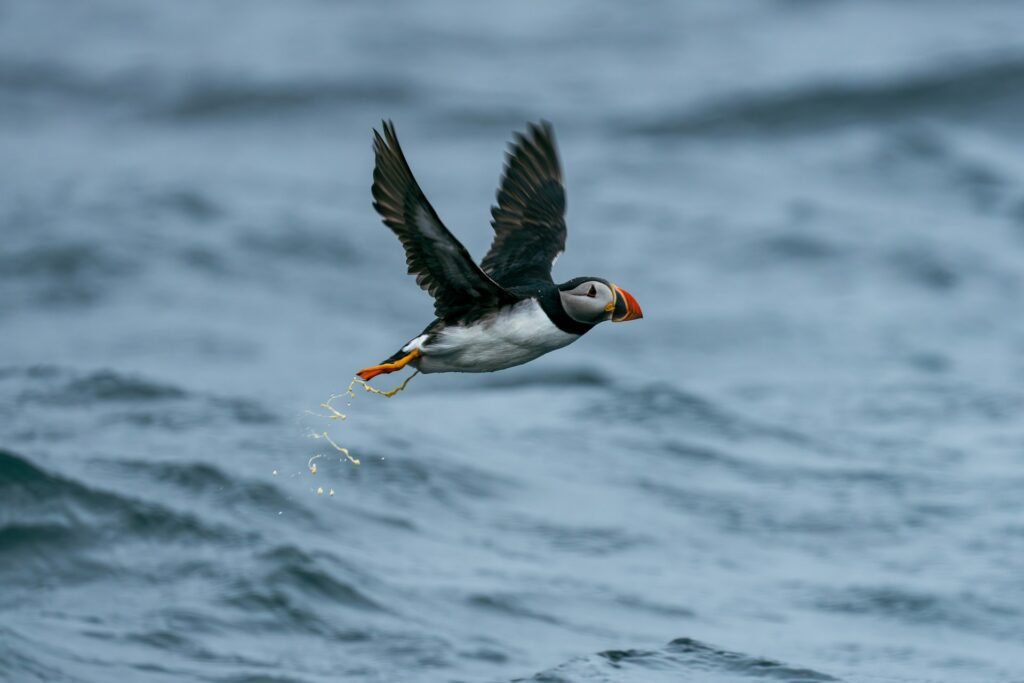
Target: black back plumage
442, 266
529, 220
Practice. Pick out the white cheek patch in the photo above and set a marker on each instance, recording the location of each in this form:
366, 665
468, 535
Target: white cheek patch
555, 260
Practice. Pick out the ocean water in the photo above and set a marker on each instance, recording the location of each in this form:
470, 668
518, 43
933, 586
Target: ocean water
805, 463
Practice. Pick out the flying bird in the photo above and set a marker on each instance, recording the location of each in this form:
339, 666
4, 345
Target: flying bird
506, 311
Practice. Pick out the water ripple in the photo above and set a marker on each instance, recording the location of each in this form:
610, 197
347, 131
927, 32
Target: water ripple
683, 659
986, 90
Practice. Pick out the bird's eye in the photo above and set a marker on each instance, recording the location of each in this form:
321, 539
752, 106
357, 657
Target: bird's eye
593, 292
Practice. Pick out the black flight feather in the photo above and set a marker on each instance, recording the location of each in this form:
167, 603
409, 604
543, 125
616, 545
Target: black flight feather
529, 220
442, 266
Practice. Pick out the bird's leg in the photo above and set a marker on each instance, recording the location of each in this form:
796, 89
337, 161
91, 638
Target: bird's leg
366, 374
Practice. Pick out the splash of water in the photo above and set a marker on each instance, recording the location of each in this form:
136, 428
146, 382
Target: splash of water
334, 414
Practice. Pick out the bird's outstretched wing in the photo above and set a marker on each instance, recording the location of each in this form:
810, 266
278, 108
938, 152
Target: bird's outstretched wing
529, 220
442, 266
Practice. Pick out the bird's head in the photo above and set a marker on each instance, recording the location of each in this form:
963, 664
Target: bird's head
593, 300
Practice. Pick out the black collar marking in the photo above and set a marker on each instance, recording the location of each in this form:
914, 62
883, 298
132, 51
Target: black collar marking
551, 302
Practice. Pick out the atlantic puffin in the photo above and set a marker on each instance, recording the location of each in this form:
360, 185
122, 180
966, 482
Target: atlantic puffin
506, 311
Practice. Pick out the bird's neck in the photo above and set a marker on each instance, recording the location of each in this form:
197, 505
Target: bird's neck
551, 302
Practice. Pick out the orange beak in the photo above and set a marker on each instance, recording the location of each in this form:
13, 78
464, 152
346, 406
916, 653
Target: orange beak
626, 307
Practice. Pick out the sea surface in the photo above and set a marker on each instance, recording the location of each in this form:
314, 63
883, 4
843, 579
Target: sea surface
806, 463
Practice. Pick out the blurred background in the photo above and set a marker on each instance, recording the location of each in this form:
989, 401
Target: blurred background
804, 464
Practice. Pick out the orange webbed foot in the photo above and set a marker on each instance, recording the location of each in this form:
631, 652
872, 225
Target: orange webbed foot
366, 374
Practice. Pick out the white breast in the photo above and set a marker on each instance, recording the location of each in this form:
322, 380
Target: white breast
514, 336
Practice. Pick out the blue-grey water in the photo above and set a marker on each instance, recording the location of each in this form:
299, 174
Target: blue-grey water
805, 464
